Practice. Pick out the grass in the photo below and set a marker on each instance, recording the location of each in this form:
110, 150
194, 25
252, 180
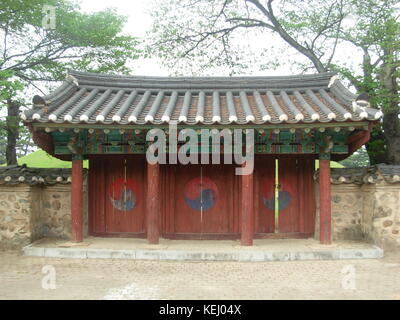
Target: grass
334, 164
41, 159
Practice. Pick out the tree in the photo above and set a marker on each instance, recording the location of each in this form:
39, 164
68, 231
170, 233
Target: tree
196, 35
357, 159
24, 144
33, 52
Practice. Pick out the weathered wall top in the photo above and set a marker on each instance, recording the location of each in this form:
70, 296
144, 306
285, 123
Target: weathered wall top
34, 176
366, 175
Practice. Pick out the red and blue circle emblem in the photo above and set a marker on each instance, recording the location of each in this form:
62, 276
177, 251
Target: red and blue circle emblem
124, 194
201, 193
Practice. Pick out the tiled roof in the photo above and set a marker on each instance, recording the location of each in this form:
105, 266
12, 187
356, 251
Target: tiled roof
99, 98
365, 175
14, 174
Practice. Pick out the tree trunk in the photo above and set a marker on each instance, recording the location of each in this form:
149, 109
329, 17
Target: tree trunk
390, 122
12, 127
376, 146
391, 131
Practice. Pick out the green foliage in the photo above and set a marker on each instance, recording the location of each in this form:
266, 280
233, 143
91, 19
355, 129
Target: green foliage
359, 158
9, 85
87, 41
32, 55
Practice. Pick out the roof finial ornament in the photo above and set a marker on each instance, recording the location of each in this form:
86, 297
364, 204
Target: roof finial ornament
38, 101
361, 103
332, 80
72, 79
363, 100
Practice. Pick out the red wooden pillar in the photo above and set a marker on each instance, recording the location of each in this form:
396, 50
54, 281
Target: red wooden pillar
77, 201
153, 203
247, 221
325, 218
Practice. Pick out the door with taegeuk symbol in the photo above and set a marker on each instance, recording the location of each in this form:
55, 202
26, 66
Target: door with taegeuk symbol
285, 199
200, 200
117, 195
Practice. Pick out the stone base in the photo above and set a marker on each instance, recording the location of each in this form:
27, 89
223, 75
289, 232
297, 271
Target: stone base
203, 250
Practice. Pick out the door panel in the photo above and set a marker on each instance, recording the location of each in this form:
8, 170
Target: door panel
306, 168
117, 189
203, 199
264, 194
288, 200
296, 194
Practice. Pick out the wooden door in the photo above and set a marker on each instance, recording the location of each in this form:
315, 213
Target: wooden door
117, 195
296, 198
200, 200
264, 191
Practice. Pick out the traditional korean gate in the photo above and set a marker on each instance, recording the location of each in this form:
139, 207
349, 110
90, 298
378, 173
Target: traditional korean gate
200, 202
292, 213
117, 195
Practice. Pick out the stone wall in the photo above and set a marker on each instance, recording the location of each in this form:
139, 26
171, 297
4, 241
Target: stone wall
381, 223
32, 210
347, 211
17, 227
55, 213
365, 205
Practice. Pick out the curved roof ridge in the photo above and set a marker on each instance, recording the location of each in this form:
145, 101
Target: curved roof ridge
327, 98
102, 79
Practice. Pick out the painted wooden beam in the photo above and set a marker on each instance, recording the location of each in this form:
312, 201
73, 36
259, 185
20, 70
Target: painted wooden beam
247, 204
325, 216
357, 140
153, 203
77, 201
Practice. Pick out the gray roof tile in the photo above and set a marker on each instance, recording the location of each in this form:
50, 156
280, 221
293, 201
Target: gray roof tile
99, 98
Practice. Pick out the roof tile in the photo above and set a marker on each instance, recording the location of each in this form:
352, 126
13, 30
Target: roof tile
108, 99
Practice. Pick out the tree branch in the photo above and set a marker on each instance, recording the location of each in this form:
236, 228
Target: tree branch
269, 13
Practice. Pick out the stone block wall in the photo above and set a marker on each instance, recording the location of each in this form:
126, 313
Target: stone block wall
30, 211
381, 222
347, 212
55, 213
365, 205
16, 224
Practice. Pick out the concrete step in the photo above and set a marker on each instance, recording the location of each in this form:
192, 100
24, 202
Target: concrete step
238, 253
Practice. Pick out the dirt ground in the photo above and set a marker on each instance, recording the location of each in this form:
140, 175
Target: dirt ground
24, 277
